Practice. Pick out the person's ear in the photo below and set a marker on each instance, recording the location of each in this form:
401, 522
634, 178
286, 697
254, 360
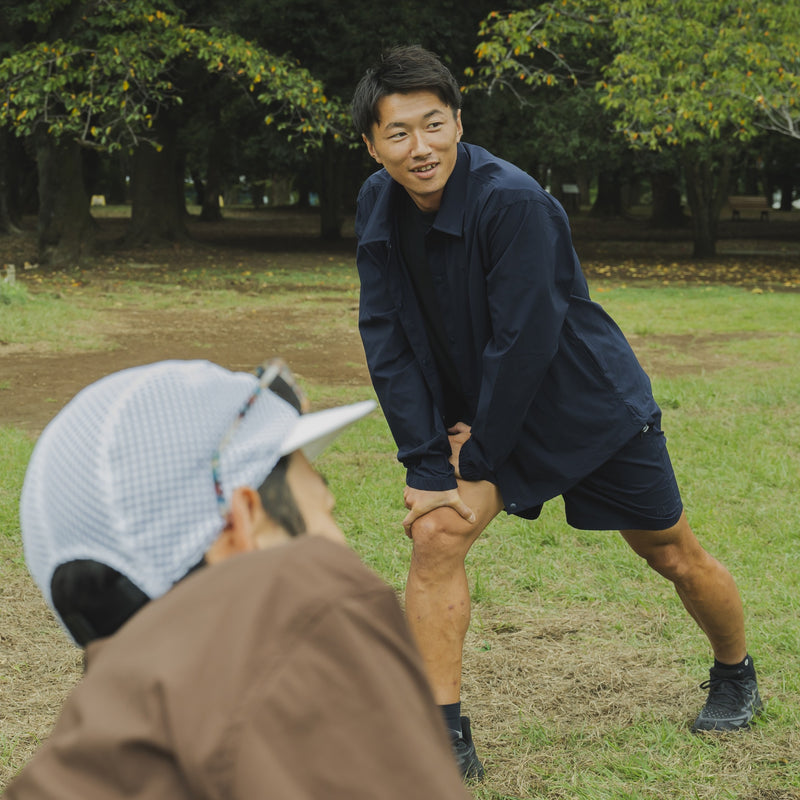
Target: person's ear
242, 524
459, 126
370, 147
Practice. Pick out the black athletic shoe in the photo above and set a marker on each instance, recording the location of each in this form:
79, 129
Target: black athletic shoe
733, 701
464, 750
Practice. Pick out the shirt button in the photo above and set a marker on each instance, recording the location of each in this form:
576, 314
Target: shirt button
512, 506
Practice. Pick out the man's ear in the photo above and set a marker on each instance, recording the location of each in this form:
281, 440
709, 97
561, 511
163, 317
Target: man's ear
370, 147
245, 515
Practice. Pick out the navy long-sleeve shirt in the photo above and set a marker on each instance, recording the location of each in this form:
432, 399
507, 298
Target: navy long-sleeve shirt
553, 387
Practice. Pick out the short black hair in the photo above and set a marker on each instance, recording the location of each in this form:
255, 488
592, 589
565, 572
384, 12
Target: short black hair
279, 502
402, 70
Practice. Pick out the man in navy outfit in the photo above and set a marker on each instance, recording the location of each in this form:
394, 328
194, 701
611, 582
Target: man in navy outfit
503, 384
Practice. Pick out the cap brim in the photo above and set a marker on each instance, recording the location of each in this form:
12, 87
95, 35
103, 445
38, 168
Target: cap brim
314, 432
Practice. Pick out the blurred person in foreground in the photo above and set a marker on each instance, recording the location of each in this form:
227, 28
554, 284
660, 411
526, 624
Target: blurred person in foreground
235, 647
503, 384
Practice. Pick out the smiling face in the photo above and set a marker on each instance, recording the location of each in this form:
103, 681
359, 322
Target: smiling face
415, 140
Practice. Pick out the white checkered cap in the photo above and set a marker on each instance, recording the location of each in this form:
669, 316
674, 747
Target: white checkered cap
123, 474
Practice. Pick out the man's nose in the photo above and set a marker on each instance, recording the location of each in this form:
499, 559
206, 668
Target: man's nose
419, 144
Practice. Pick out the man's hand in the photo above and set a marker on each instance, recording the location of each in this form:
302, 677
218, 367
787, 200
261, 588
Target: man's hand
458, 434
420, 501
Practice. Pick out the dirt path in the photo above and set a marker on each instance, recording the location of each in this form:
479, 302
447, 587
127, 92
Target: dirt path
40, 383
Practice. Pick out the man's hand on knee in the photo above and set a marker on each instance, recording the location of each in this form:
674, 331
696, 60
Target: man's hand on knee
420, 502
458, 435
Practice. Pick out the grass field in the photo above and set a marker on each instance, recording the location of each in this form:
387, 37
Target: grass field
581, 667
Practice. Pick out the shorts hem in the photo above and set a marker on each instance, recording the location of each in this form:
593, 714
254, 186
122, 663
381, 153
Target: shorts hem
627, 524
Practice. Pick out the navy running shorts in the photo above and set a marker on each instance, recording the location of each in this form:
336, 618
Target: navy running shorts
634, 490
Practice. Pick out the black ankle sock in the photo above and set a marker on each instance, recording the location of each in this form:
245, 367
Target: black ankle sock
745, 666
452, 717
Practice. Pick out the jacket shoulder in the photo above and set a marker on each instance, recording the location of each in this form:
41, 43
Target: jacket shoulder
488, 172
374, 185
494, 184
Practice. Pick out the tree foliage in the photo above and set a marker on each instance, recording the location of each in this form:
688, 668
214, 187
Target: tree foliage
681, 73
104, 80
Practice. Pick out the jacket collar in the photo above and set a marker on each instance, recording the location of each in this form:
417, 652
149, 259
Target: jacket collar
449, 219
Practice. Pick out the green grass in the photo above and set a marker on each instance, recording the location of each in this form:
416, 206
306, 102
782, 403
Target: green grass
13, 294
734, 435
706, 309
16, 448
55, 311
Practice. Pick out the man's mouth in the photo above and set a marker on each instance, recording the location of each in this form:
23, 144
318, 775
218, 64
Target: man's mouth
424, 169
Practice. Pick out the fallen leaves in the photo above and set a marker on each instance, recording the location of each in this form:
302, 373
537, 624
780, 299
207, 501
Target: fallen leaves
760, 274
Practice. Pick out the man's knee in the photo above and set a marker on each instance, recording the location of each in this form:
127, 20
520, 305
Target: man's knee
442, 536
674, 553
668, 561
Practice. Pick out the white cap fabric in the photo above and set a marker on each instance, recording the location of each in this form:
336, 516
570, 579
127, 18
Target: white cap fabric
123, 474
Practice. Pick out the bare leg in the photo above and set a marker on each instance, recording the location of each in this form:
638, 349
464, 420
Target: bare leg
705, 586
437, 592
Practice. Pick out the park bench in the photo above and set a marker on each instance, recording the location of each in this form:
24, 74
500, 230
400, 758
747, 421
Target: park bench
746, 202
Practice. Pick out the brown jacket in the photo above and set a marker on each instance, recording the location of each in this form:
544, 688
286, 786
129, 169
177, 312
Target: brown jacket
287, 673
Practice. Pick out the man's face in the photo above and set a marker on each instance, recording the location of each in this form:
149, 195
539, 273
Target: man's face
415, 140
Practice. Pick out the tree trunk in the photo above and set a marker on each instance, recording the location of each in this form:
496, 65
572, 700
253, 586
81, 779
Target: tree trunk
608, 202
157, 204
330, 196
65, 228
786, 185
9, 217
199, 188
116, 189
708, 179
210, 210
584, 181
667, 210
279, 190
